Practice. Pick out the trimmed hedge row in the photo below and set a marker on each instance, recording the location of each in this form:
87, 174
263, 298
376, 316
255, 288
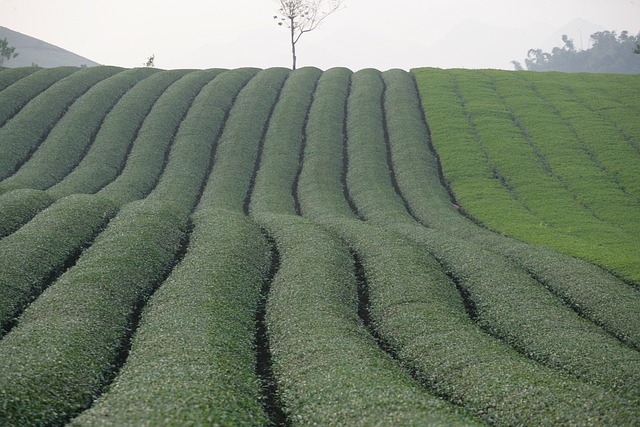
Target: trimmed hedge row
90, 175
91, 309
366, 141
9, 76
421, 316
38, 251
330, 370
21, 135
107, 155
397, 292
592, 292
284, 141
66, 345
237, 151
30, 81
508, 302
147, 157
19, 206
323, 175
183, 177
73, 134
191, 157
511, 305
192, 360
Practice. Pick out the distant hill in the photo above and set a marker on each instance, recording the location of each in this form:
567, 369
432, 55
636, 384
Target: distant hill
34, 51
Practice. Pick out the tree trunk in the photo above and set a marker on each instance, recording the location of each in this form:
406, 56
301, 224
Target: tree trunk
293, 43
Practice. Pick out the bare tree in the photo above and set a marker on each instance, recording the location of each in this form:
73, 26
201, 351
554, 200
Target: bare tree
303, 16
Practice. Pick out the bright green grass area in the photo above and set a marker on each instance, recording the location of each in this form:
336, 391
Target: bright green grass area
542, 157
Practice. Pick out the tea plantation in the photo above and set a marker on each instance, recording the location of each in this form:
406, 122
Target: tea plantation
280, 248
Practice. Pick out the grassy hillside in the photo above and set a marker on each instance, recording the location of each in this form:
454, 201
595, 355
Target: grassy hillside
549, 158
276, 247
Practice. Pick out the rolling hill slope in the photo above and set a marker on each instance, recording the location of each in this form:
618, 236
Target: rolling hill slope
33, 51
277, 247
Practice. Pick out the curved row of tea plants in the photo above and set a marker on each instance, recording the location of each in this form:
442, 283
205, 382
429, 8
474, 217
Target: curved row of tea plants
73, 134
38, 252
207, 305
22, 135
49, 243
319, 345
16, 93
147, 156
22, 205
392, 264
508, 302
9, 76
155, 100
78, 326
82, 321
616, 306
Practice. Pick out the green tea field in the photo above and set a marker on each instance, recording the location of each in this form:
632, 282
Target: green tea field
280, 248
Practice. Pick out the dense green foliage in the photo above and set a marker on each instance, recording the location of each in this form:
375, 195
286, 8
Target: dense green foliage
307, 247
505, 138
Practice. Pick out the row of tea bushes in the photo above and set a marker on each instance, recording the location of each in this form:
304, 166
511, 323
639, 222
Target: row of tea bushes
19, 206
283, 143
325, 153
321, 348
395, 276
424, 321
147, 157
103, 160
66, 345
237, 152
71, 137
192, 359
9, 76
615, 306
508, 301
20, 85
83, 321
21, 135
106, 157
366, 142
329, 369
42, 249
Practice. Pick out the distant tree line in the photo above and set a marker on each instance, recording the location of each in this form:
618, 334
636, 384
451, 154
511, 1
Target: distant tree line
609, 53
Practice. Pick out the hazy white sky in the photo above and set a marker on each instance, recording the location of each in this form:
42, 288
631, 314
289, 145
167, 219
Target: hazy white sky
366, 33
